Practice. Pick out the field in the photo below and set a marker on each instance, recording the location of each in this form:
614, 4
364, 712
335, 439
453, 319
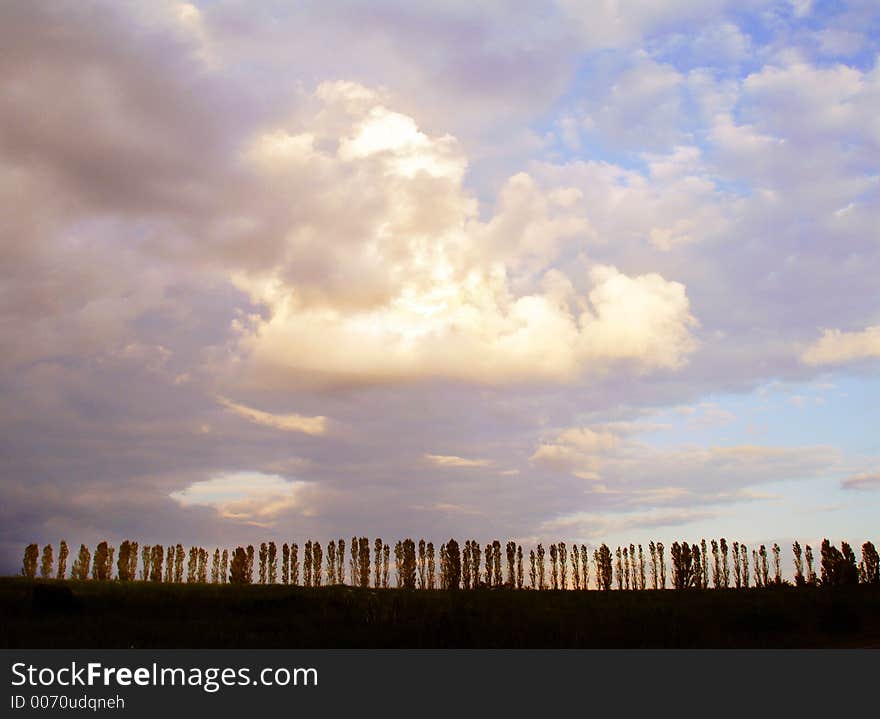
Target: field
115, 614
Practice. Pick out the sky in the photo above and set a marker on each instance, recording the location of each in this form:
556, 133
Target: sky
549, 271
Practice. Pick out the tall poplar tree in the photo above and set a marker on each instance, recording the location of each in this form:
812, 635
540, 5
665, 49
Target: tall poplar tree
317, 563
431, 566
264, 555
294, 564
273, 563
62, 560
533, 575
47, 562
519, 566
340, 561
331, 563
540, 553
179, 558
364, 570
29, 563
377, 561
307, 564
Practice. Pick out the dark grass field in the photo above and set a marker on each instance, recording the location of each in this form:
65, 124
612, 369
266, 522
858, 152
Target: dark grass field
113, 614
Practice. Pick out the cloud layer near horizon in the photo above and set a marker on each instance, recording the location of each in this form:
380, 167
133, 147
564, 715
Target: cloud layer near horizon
441, 282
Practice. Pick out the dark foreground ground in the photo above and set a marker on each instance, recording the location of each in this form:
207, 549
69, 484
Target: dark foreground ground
111, 614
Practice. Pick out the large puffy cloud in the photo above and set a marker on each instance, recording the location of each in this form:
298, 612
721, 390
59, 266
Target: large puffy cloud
432, 300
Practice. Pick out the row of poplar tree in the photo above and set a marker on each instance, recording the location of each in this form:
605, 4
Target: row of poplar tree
470, 567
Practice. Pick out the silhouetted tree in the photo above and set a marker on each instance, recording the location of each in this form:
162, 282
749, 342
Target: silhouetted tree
641, 568
317, 563
575, 567
632, 567
272, 573
377, 561
398, 563
192, 565
29, 563
250, 563
585, 566
683, 574
238, 568
777, 570
466, 560
431, 567
850, 570
408, 554
811, 574
307, 564
489, 559
756, 565
716, 565
554, 576
496, 564
618, 567
364, 571
541, 584
157, 556
869, 567
47, 562
386, 554
101, 563
62, 560
838, 565
519, 567
725, 564
203, 565
340, 561
215, 567
533, 574
294, 564
285, 563
82, 563
698, 566
476, 554
737, 567
179, 557
331, 563
146, 557
655, 575
744, 569
799, 579
562, 553
264, 554
224, 566
661, 563
453, 565
169, 565
602, 559
123, 562
354, 566
422, 564
510, 556
704, 565
132, 570
765, 569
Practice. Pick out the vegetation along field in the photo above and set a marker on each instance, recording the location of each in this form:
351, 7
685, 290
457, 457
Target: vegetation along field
474, 597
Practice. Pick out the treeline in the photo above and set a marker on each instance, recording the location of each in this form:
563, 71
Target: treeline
418, 566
